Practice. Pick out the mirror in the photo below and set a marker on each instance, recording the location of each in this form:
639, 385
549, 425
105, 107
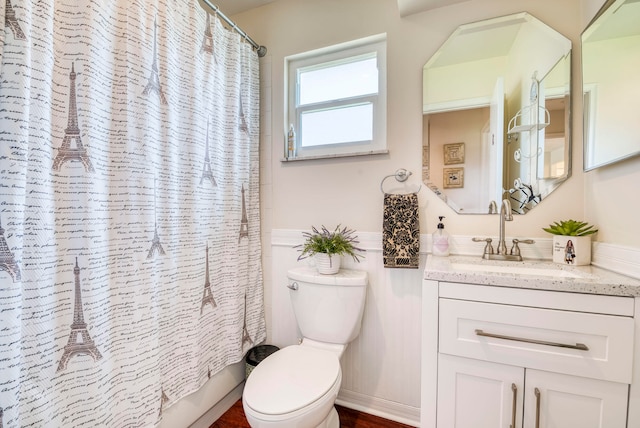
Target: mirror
611, 84
496, 109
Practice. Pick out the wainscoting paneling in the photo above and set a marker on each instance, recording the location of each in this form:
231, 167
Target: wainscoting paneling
381, 367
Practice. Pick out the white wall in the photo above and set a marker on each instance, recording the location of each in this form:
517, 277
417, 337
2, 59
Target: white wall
347, 190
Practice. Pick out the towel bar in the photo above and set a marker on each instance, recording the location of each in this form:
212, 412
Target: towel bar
401, 176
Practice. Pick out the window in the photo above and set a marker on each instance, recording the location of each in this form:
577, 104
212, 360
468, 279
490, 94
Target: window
337, 100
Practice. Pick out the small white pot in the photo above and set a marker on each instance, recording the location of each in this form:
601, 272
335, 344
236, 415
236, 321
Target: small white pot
327, 264
572, 250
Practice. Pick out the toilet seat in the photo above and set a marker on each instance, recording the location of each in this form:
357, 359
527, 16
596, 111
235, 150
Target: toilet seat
291, 379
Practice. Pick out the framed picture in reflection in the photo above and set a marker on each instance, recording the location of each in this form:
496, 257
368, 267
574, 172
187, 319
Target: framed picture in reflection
453, 178
453, 153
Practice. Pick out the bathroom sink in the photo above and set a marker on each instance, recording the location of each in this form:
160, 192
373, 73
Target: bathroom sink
530, 274
544, 270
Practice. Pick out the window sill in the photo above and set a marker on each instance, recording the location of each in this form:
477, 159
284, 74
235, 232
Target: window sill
335, 155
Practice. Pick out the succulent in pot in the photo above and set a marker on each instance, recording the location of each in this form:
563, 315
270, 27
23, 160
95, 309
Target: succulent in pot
570, 228
571, 241
327, 247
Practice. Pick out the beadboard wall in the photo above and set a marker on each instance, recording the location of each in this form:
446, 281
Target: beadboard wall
381, 367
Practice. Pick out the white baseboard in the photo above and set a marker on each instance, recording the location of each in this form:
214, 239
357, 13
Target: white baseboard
375, 406
393, 411
219, 409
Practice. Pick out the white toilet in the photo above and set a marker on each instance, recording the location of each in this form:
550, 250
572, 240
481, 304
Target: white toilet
298, 385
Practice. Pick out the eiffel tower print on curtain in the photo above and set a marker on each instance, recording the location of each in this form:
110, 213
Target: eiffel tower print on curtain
80, 342
7, 261
206, 168
153, 85
11, 21
156, 246
242, 126
244, 222
207, 39
72, 148
207, 295
246, 338
163, 400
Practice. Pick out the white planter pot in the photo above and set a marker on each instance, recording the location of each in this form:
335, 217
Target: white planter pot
326, 264
572, 250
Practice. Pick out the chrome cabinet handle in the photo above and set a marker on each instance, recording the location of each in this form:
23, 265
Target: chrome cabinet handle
514, 390
579, 346
536, 391
293, 286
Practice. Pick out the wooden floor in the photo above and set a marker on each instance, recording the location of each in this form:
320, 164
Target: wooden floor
234, 418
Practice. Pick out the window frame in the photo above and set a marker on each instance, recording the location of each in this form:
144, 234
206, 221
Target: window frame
336, 55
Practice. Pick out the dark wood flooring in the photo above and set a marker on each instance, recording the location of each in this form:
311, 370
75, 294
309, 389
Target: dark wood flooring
234, 418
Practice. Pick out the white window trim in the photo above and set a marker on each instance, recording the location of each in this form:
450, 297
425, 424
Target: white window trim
336, 53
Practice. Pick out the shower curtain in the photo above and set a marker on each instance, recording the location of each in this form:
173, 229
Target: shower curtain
130, 265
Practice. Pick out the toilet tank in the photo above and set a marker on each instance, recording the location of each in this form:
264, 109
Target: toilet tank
328, 308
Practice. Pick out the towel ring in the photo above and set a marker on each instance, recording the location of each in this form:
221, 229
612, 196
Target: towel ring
401, 176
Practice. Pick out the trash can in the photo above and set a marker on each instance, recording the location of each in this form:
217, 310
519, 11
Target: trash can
256, 355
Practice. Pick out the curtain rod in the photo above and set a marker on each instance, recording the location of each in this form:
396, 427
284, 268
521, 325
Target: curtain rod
260, 50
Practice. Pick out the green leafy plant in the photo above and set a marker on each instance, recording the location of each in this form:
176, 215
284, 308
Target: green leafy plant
339, 241
570, 228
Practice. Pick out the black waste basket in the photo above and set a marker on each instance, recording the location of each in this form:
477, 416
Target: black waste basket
256, 355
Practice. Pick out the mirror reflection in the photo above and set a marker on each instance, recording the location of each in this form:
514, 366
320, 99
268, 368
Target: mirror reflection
496, 106
611, 84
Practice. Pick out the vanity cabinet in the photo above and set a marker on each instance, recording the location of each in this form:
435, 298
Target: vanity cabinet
502, 357
480, 394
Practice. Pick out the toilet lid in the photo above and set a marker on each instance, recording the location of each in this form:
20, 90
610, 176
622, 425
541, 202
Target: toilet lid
291, 379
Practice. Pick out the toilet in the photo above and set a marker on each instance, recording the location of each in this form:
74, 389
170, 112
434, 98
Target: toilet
297, 386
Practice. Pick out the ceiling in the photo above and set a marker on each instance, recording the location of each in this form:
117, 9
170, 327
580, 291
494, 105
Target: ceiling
617, 21
405, 7
480, 41
231, 7
408, 7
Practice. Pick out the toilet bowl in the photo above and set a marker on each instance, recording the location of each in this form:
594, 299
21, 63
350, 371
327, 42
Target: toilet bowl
297, 386
294, 387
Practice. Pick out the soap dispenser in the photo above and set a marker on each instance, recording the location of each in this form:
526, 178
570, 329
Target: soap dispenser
291, 143
440, 243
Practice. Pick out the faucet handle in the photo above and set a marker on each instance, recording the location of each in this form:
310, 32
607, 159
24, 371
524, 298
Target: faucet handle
515, 250
488, 249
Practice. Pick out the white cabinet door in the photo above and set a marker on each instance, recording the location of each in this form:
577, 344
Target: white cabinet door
570, 402
478, 394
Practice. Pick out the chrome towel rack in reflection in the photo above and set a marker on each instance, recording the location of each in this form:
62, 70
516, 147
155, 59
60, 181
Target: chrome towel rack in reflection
401, 176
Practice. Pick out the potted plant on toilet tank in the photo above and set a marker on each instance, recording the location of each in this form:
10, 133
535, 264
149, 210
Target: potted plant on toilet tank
327, 247
571, 242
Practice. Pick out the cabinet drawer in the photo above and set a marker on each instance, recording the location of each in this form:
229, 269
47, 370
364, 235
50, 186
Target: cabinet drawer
582, 344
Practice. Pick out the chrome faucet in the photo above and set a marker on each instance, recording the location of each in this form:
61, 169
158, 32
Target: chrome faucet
505, 215
501, 252
493, 207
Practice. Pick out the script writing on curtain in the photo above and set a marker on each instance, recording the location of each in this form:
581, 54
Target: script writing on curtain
130, 267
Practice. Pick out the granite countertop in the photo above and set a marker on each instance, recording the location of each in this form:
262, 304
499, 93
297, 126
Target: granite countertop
533, 274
